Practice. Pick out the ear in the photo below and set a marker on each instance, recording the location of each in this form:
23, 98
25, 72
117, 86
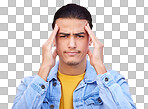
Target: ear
90, 41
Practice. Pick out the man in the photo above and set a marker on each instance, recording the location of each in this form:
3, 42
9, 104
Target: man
73, 82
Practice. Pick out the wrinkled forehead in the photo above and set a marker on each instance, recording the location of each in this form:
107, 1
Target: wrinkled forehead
71, 25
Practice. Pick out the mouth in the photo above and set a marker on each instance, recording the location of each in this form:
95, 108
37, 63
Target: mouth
72, 53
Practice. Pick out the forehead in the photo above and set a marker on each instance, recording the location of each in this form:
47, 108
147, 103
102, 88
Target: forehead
71, 24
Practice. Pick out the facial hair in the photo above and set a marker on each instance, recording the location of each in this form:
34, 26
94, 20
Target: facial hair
72, 63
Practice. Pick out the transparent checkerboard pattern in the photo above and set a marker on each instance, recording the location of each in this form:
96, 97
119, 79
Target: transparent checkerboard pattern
122, 25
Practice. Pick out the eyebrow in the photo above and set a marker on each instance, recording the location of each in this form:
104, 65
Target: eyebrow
66, 34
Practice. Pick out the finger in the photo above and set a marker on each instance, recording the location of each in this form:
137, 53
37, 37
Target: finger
54, 54
53, 35
91, 34
89, 53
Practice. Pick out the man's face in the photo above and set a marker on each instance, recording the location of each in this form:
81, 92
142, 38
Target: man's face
72, 41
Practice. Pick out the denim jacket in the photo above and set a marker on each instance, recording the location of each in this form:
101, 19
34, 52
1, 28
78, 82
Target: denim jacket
103, 91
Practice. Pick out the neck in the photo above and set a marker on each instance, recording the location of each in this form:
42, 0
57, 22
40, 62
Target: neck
72, 69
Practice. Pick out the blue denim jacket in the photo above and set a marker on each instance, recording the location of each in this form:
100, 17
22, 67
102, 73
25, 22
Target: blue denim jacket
104, 91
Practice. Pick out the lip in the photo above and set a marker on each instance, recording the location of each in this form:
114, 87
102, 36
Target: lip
72, 53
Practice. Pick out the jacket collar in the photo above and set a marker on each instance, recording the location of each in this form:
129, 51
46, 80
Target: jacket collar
53, 72
89, 77
90, 74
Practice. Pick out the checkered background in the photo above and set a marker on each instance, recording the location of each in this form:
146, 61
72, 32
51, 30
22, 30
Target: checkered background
122, 25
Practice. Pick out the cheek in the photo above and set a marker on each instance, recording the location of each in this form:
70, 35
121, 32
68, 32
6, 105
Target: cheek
60, 46
59, 43
83, 46
84, 43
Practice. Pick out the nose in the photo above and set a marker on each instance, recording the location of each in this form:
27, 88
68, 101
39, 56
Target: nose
72, 42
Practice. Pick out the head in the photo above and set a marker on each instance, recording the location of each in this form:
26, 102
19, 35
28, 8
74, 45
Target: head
73, 11
72, 41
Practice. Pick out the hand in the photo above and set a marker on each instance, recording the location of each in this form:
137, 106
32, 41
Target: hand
48, 59
96, 58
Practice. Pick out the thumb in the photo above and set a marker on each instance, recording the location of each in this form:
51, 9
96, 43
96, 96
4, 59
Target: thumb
54, 54
89, 53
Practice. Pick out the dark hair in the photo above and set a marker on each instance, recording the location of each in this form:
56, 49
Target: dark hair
73, 11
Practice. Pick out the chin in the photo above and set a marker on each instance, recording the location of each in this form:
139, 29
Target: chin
72, 63
72, 60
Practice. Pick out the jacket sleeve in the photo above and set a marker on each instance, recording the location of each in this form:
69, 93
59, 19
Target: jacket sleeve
30, 93
113, 86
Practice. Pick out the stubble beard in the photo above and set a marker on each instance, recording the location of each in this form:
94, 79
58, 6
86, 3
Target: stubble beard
72, 63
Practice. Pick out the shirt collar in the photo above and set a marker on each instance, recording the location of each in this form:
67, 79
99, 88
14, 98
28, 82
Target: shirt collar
88, 78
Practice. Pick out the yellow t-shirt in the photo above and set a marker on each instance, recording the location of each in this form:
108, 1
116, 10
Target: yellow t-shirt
68, 85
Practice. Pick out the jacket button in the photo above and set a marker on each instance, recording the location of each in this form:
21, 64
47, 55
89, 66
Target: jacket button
52, 106
43, 86
106, 79
99, 100
54, 83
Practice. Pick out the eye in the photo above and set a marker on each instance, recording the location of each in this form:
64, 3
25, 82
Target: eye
63, 36
80, 36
